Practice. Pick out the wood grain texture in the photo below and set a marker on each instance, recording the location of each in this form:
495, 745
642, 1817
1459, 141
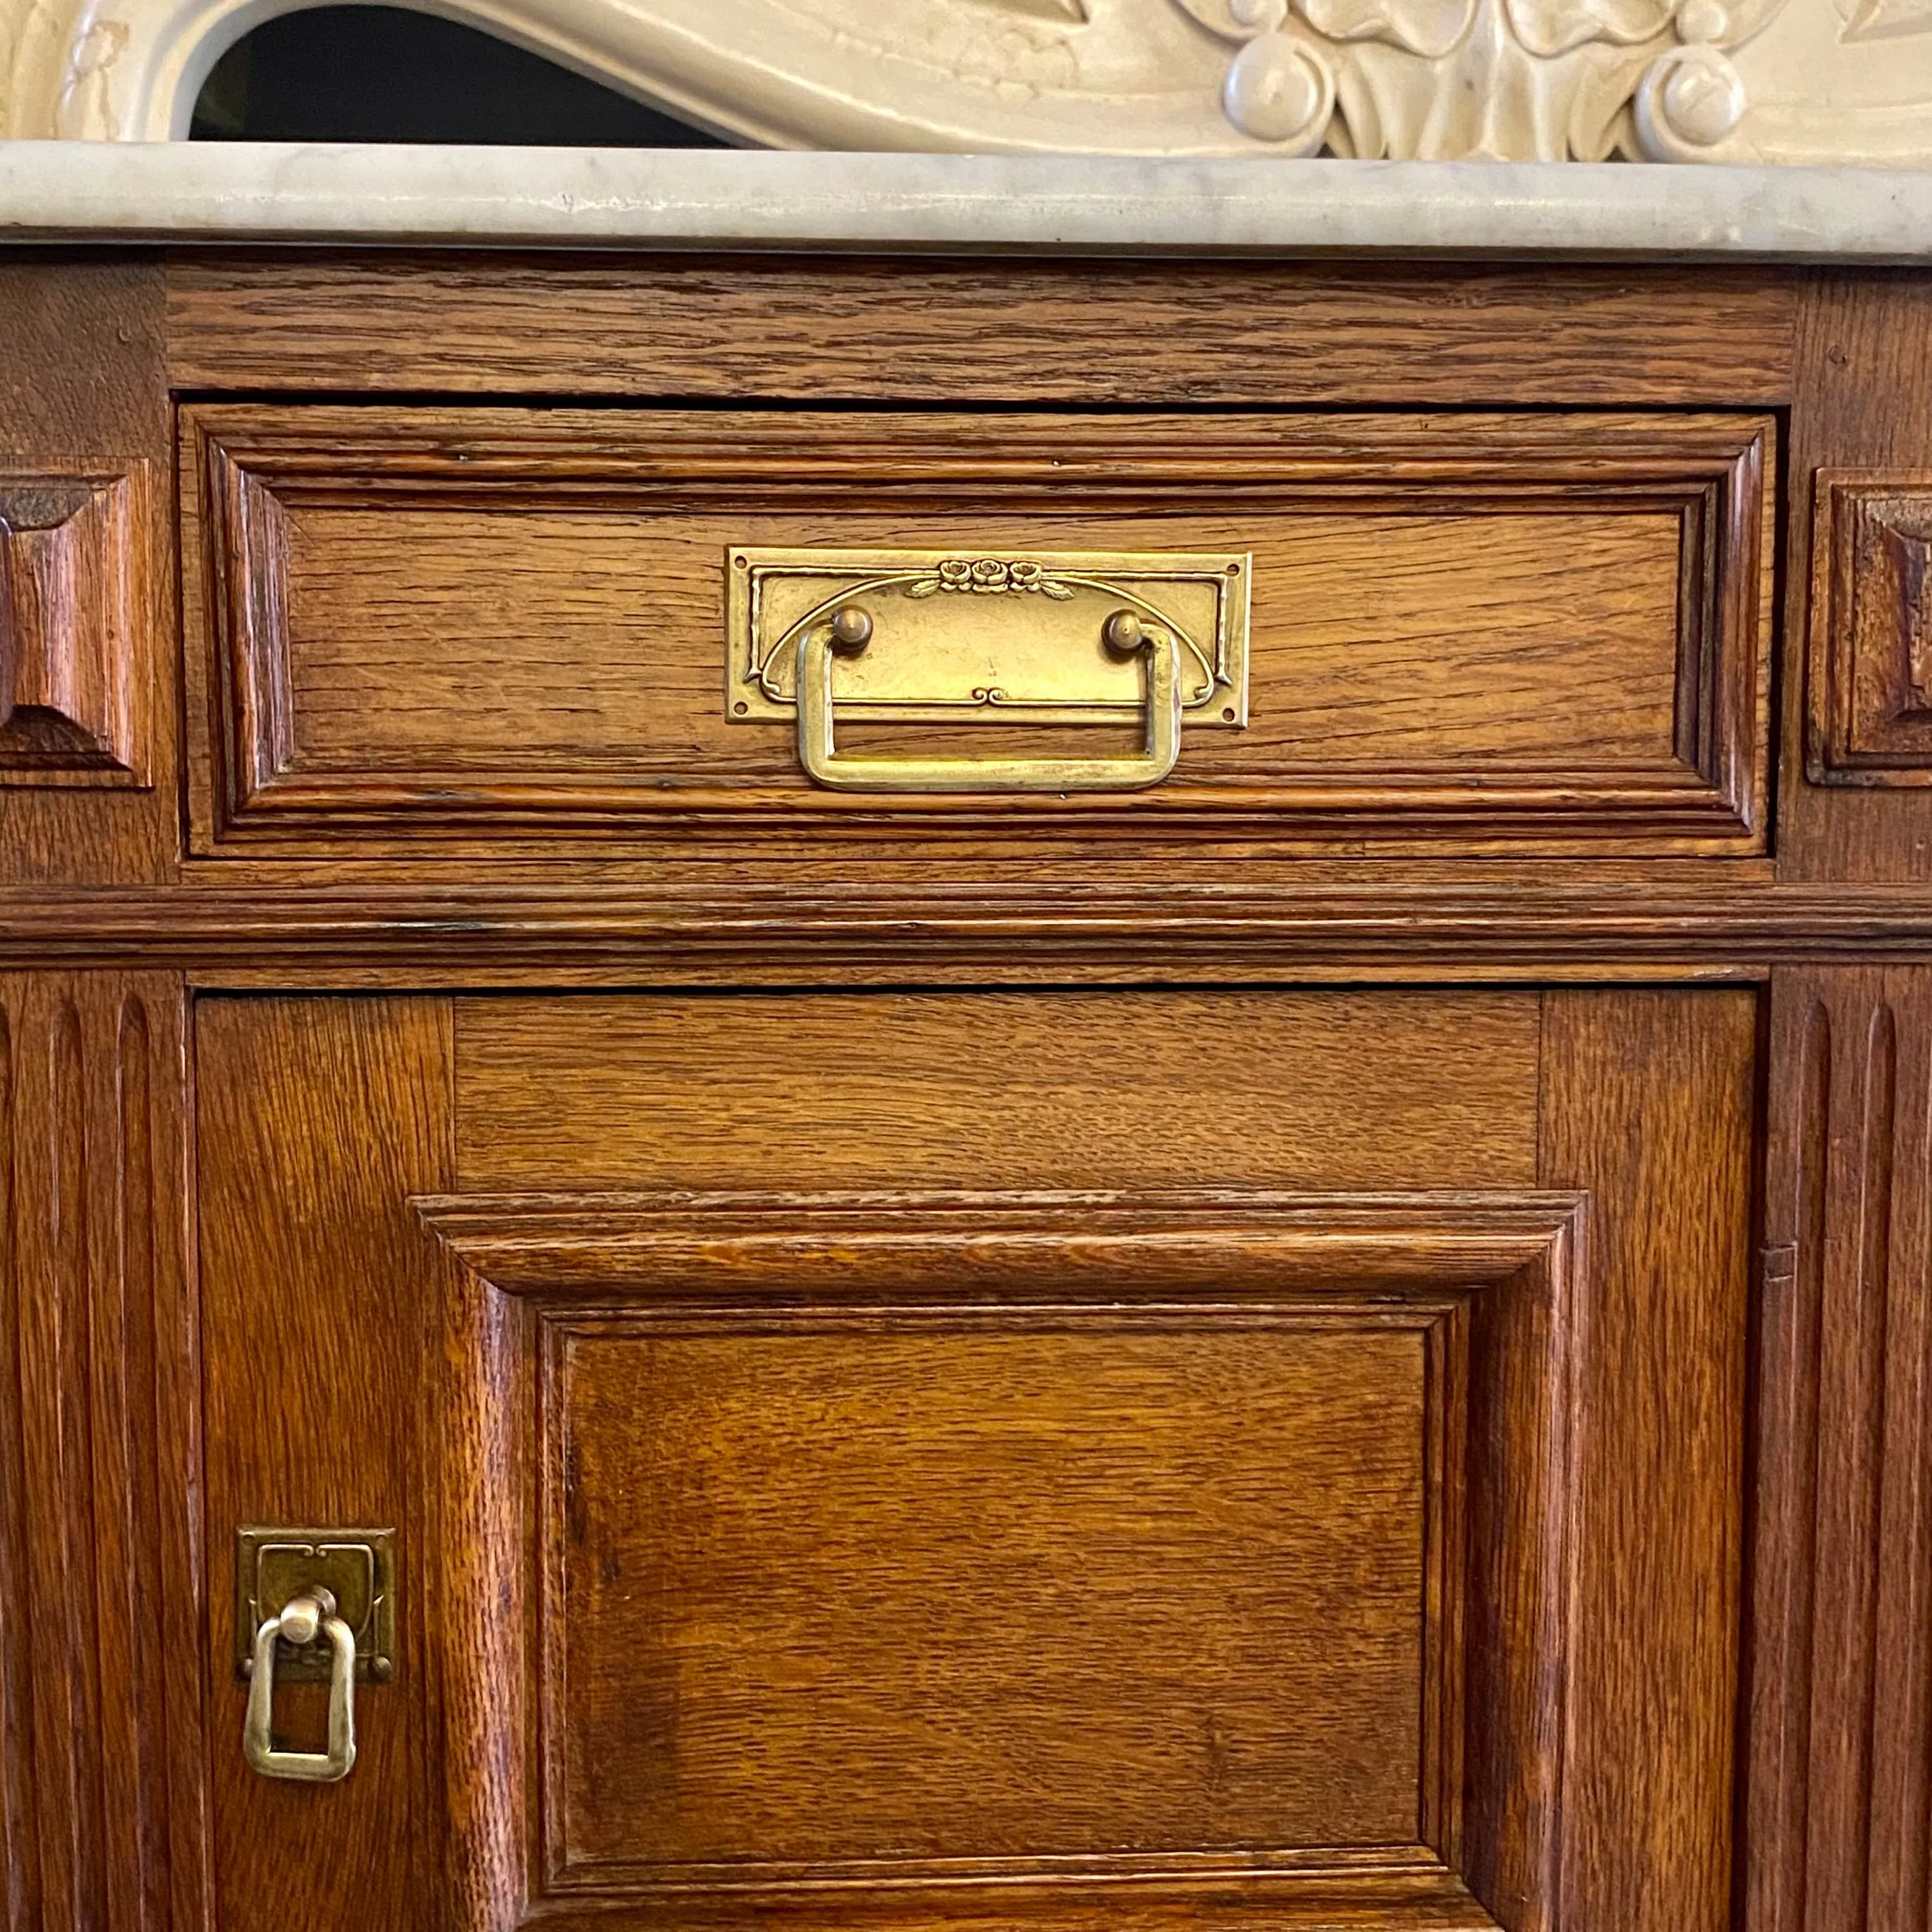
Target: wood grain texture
76, 690
936, 1336
999, 1090
1869, 721
1648, 1105
916, 1248
1612, 1665
84, 395
1032, 332
868, 1604
1864, 405
1606, 1764
101, 1822
1841, 1705
320, 1311
1377, 923
1532, 628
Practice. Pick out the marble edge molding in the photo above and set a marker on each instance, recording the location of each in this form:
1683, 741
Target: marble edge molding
70, 191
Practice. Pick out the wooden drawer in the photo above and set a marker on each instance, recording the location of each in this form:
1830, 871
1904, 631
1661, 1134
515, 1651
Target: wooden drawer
408, 626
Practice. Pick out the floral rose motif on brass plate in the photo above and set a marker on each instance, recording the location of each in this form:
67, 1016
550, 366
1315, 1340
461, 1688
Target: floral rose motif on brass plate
989, 577
1212, 654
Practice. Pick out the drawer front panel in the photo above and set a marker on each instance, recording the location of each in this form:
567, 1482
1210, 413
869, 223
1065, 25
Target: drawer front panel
410, 626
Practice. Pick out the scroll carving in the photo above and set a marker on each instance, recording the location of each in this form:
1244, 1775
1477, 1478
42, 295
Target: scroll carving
1506, 79
1673, 80
70, 609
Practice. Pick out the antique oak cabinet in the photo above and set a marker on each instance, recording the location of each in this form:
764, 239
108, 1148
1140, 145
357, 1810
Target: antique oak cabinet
926, 1089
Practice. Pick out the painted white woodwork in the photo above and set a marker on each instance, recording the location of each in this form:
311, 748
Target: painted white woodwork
1737, 81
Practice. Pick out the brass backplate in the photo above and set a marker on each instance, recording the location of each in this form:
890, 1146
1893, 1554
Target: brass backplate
957, 631
357, 1566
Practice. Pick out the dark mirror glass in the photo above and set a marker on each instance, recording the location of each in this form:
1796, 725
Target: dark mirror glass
384, 73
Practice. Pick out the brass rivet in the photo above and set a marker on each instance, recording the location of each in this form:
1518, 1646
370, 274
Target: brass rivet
1123, 632
851, 627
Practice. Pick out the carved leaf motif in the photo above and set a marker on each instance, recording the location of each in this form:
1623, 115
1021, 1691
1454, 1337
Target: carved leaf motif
1547, 80
1548, 28
1886, 19
1429, 28
1060, 12
1434, 28
1216, 16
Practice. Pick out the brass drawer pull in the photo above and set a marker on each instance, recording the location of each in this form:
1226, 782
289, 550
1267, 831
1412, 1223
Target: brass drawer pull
850, 631
299, 1622
1152, 641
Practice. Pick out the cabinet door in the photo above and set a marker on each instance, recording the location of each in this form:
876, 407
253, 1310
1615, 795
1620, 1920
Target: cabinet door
1155, 1458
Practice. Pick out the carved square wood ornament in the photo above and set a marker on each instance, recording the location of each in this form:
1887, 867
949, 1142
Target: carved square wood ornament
1871, 714
72, 592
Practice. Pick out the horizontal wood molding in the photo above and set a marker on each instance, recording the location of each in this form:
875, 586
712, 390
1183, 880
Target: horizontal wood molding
75, 611
1568, 648
560, 1247
101, 1812
1017, 331
670, 934
1485, 1280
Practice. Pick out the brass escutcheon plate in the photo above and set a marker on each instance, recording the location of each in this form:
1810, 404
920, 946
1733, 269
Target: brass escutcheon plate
272, 1566
1014, 635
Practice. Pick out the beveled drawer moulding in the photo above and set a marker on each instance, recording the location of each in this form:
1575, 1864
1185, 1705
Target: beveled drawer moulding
413, 624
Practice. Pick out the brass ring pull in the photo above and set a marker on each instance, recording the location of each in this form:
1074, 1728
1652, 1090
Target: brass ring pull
850, 631
300, 1621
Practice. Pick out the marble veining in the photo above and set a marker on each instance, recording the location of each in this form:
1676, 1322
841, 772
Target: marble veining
697, 199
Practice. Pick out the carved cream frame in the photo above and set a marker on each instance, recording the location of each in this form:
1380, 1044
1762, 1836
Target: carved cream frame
1722, 80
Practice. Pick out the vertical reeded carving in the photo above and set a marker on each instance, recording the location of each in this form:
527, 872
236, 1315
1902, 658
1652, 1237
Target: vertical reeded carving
71, 612
97, 1799
1841, 1699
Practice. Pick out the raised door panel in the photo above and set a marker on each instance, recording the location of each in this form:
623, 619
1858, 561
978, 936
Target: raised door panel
889, 1517
916, 1544
848, 1601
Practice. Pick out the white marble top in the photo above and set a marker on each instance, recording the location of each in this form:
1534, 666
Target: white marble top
563, 197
